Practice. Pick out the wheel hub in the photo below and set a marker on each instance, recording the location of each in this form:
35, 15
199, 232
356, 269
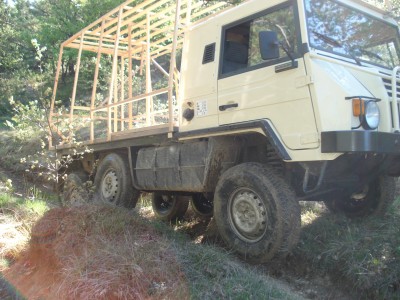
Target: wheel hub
165, 203
248, 215
362, 195
109, 186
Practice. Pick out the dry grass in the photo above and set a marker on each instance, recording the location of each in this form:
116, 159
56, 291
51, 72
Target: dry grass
14, 236
16, 220
120, 257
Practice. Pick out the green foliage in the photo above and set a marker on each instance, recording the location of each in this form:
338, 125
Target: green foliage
29, 120
28, 143
364, 253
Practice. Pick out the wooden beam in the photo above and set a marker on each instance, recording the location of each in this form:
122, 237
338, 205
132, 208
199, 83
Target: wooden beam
164, 18
162, 70
134, 99
137, 8
122, 98
98, 22
116, 100
53, 98
113, 76
172, 68
78, 66
152, 5
130, 77
189, 12
149, 99
96, 78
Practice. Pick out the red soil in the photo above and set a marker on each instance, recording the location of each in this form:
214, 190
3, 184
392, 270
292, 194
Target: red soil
39, 272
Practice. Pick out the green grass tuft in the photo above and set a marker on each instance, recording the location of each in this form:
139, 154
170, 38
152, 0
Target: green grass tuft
364, 253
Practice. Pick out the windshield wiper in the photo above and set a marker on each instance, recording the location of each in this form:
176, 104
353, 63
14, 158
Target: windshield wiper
369, 53
337, 44
327, 39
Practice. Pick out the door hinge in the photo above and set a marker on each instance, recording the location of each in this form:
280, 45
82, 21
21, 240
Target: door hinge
304, 81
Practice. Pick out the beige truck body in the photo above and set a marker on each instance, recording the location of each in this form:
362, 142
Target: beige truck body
273, 102
299, 104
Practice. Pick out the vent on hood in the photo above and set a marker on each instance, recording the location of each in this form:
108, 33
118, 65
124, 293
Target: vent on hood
388, 85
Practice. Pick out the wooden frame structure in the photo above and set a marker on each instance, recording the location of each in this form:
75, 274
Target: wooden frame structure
143, 32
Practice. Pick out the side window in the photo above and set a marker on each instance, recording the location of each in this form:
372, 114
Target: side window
241, 44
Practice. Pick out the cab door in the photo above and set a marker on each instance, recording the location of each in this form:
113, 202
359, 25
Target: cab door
250, 88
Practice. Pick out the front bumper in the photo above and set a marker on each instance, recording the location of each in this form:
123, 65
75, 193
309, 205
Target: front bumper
360, 142
386, 145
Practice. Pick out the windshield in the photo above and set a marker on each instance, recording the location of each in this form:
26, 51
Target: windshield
345, 31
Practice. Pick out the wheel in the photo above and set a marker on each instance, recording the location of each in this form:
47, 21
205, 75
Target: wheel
113, 182
256, 212
169, 207
374, 199
202, 205
74, 192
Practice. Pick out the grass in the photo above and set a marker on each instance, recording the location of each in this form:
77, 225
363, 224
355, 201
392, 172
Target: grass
108, 252
363, 254
130, 255
17, 216
159, 263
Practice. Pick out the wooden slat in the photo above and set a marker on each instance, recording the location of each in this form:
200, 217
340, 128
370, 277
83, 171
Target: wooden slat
84, 108
149, 99
143, 32
130, 79
172, 68
113, 76
97, 23
78, 66
122, 97
155, 5
53, 98
137, 8
96, 79
134, 99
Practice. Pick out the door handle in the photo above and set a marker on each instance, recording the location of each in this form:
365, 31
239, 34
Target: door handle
226, 106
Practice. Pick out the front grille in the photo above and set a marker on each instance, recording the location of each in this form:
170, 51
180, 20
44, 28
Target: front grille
387, 82
388, 86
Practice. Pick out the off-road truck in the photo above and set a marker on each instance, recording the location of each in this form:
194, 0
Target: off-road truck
242, 110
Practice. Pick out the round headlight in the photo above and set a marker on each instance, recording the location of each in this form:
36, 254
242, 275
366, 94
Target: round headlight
372, 115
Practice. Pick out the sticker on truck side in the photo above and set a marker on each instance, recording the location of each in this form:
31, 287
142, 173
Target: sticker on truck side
201, 108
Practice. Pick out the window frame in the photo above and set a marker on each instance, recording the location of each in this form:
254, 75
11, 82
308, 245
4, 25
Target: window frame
298, 54
348, 58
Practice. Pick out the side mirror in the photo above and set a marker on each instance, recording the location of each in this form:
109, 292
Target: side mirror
269, 45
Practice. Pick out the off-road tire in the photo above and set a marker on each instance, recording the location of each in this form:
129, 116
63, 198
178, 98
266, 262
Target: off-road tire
202, 206
169, 207
381, 194
257, 189
74, 192
113, 182
292, 223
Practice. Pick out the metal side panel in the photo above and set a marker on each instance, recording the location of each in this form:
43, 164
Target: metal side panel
178, 167
184, 167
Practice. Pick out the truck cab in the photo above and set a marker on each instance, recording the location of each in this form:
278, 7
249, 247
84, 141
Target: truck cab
332, 72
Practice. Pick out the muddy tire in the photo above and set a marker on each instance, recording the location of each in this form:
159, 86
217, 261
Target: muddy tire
256, 212
169, 207
202, 206
74, 192
113, 182
374, 200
